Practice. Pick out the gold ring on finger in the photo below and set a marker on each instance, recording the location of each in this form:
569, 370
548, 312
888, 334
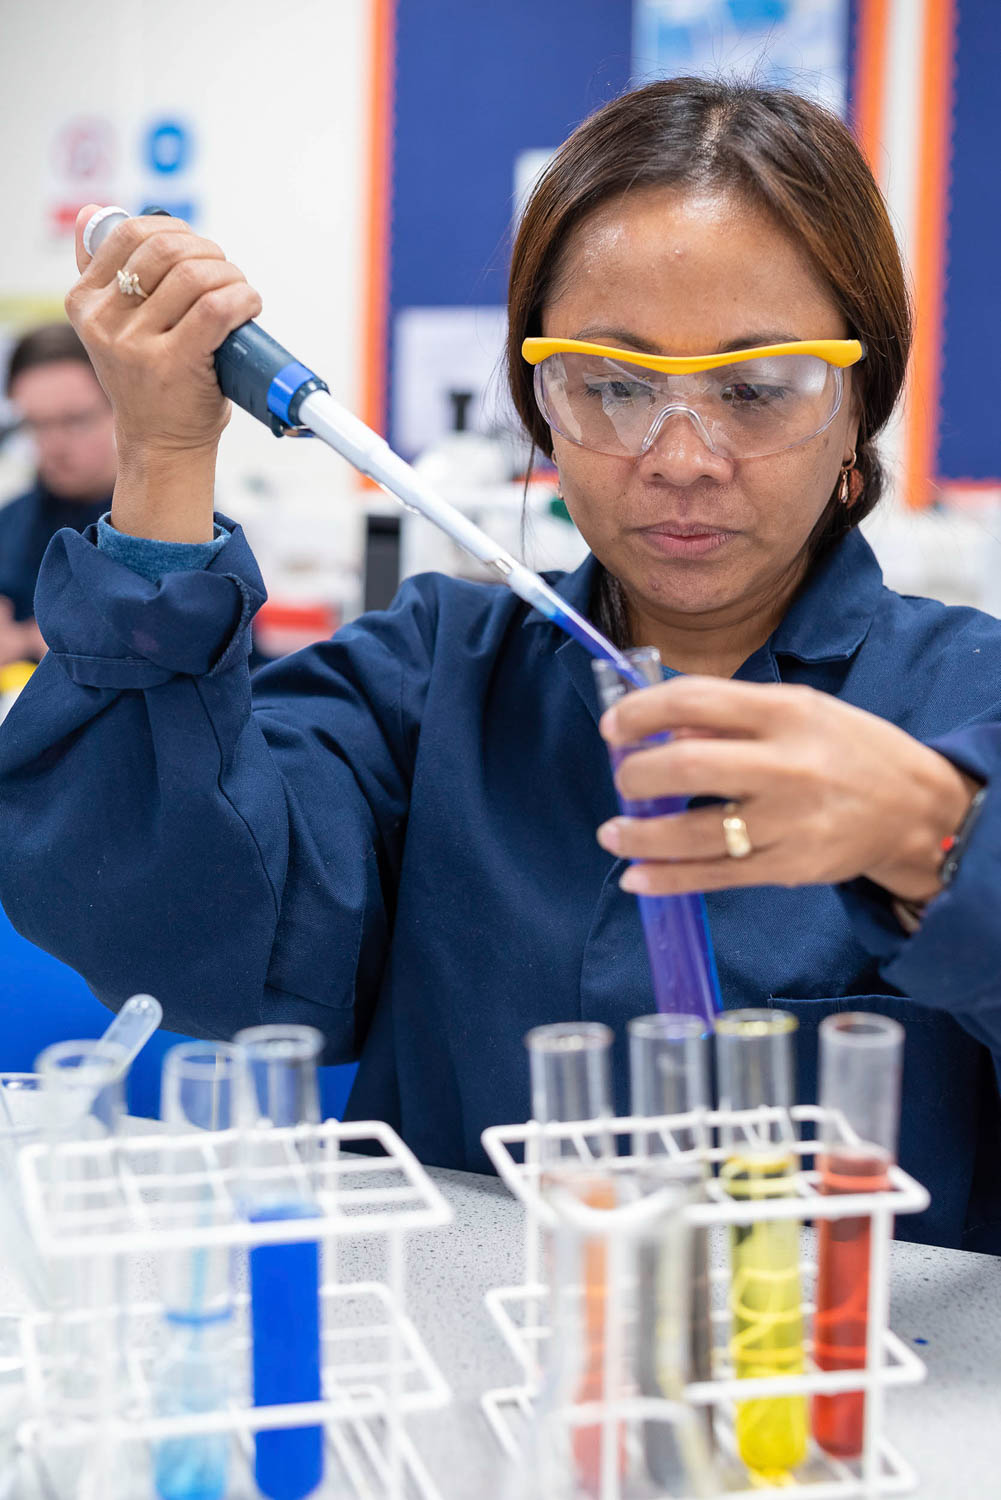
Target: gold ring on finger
735, 834
128, 284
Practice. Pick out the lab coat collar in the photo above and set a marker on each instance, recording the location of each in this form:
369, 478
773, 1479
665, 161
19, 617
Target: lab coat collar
832, 613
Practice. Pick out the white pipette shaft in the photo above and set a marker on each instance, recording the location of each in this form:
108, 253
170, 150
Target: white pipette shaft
372, 455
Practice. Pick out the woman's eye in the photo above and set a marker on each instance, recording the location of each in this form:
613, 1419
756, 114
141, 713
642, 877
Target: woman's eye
742, 393
618, 390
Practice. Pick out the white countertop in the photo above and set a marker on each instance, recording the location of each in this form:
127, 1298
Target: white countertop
948, 1428
945, 1303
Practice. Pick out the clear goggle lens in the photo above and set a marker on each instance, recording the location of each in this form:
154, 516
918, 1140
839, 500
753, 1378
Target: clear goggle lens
749, 409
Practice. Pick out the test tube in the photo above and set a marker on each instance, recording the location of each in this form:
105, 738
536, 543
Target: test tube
669, 1075
571, 1080
572, 1454
83, 1084
569, 1068
281, 1090
22, 1123
198, 1095
133, 1026
755, 1068
676, 928
860, 1070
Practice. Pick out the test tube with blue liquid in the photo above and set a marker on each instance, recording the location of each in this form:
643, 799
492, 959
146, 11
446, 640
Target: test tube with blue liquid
198, 1094
676, 928
281, 1091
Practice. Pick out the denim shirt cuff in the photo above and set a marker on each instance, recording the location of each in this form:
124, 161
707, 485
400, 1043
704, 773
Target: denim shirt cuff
152, 559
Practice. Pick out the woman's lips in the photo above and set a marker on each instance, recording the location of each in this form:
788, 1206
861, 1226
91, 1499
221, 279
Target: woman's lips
684, 541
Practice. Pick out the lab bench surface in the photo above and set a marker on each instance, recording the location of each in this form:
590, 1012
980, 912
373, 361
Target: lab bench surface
946, 1304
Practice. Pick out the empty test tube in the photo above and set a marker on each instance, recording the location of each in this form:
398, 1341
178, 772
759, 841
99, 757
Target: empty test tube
754, 1062
860, 1071
669, 1075
676, 928
84, 1087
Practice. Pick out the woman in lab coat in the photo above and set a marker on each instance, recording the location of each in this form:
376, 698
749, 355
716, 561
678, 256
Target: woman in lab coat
405, 835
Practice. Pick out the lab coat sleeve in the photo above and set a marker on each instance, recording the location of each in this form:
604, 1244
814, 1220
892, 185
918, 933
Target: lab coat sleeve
160, 830
953, 960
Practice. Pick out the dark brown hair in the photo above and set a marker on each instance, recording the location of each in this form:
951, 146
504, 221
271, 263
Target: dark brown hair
50, 344
779, 151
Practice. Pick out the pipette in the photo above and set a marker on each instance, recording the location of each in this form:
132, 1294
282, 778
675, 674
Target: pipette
256, 373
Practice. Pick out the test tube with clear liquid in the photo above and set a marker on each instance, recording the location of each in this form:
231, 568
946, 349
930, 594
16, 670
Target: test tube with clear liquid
755, 1068
83, 1084
669, 1075
860, 1071
675, 928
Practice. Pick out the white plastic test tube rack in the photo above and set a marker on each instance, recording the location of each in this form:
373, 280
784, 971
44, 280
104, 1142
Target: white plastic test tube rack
113, 1201
521, 1312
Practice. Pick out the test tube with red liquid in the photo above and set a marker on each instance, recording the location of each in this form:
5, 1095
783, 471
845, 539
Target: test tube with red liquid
860, 1070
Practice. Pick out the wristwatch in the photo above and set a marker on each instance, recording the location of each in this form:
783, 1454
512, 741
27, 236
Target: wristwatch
953, 846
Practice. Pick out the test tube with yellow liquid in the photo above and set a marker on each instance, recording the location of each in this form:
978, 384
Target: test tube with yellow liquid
755, 1068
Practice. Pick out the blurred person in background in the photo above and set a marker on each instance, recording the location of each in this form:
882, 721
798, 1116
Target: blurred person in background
61, 406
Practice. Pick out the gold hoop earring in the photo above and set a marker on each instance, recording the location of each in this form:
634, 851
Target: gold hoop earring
845, 496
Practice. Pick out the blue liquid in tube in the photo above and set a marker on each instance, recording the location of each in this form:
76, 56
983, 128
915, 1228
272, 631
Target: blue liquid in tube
676, 928
285, 1318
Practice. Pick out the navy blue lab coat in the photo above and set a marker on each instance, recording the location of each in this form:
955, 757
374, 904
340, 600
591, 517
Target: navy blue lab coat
27, 525
392, 839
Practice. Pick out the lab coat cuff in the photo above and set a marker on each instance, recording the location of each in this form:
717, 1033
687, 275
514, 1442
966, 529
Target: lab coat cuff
108, 626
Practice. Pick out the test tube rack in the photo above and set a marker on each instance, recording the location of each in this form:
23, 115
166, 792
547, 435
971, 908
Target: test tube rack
523, 1154
111, 1205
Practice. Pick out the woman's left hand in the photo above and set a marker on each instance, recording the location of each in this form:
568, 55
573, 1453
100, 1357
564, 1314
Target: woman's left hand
828, 792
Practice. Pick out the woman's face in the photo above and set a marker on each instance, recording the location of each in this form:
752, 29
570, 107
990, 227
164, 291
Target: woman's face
687, 532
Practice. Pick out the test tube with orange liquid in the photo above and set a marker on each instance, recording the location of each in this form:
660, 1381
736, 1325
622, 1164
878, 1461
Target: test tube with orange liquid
571, 1080
860, 1070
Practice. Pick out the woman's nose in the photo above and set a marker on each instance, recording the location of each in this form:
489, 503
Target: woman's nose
680, 450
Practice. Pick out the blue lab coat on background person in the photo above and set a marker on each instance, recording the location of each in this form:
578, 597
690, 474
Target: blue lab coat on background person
394, 841
27, 525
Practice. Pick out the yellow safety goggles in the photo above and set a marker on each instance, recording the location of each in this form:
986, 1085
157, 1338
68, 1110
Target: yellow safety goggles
745, 403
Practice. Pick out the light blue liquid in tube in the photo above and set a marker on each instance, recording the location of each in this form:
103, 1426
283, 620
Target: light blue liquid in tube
285, 1278
198, 1093
676, 928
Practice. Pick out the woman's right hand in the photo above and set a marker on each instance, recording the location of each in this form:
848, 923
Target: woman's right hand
154, 358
